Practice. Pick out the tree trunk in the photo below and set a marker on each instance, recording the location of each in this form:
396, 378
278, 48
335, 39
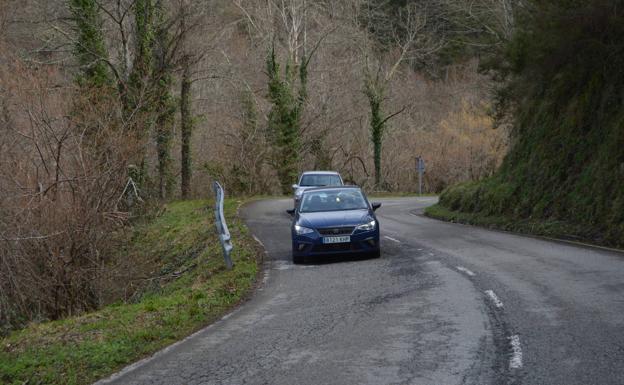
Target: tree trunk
164, 135
187, 130
377, 128
165, 103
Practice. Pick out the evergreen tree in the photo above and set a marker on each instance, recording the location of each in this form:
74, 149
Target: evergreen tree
288, 100
186, 119
137, 95
89, 48
165, 104
375, 94
138, 99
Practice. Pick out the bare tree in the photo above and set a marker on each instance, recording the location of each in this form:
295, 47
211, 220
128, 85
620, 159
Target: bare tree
407, 40
286, 22
61, 196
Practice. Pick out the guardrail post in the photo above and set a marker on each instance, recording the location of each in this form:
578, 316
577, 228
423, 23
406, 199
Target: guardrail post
222, 229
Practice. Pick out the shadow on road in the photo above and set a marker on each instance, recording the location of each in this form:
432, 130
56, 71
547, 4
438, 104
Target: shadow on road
336, 258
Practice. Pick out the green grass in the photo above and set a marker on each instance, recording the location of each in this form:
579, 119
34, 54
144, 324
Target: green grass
545, 228
193, 289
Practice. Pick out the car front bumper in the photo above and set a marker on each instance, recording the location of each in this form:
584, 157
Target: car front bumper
310, 245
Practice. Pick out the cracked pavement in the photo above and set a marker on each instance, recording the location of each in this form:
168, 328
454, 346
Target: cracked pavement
413, 316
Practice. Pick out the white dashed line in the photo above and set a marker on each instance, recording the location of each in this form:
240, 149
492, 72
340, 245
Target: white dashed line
515, 362
464, 270
392, 239
494, 298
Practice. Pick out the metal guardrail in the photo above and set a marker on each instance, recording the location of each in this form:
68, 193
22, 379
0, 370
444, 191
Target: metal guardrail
224, 233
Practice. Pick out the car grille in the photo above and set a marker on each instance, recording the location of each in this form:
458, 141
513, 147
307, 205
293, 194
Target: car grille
336, 247
336, 231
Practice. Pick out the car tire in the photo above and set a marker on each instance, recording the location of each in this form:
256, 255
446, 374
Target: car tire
297, 259
376, 253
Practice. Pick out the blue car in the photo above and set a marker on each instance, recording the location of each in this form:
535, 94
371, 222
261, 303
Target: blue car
334, 220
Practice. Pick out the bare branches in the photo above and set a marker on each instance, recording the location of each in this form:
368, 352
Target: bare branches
392, 115
59, 186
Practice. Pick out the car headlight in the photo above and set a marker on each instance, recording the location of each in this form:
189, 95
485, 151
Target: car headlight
367, 226
300, 230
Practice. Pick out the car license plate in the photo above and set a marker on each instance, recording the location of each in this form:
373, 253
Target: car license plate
344, 239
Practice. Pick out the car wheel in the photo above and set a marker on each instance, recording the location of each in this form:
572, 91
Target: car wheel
297, 259
376, 253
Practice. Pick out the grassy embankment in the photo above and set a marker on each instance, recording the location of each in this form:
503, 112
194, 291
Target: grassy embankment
198, 290
564, 174
540, 227
562, 178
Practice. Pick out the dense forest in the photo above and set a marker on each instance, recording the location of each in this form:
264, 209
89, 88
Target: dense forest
117, 115
111, 107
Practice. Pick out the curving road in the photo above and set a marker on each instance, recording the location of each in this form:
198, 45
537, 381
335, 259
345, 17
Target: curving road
445, 304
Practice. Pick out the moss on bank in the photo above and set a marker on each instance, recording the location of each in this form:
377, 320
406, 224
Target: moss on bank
545, 228
565, 167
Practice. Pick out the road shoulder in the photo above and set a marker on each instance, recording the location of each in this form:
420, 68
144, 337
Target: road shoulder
555, 231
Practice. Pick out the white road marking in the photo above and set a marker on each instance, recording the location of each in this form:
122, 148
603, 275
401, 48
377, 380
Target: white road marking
515, 362
392, 239
282, 265
464, 270
494, 298
288, 265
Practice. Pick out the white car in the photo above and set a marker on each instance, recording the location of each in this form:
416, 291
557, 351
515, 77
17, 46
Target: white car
311, 179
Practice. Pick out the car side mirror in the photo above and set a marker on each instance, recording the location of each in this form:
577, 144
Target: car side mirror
291, 211
295, 186
376, 205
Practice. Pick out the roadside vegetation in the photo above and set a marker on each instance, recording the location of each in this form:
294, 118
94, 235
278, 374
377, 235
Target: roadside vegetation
111, 108
185, 286
562, 92
546, 228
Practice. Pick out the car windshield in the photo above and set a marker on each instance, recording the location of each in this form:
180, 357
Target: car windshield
320, 180
333, 200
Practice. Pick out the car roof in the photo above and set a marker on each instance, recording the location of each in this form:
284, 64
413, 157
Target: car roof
332, 188
320, 172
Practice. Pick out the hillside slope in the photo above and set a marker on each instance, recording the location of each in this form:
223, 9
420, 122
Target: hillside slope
564, 174
189, 289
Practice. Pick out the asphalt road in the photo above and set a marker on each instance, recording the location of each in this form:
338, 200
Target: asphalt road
445, 304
